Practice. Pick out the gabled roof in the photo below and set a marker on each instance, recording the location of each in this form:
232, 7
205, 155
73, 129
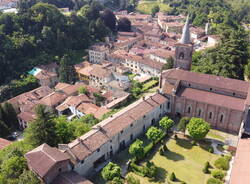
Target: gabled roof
208, 80
43, 158
105, 130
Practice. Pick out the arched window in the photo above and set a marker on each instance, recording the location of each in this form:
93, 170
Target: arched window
210, 115
221, 118
153, 122
189, 110
181, 55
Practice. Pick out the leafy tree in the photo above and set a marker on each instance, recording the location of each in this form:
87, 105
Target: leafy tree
64, 130
155, 9
42, 129
66, 70
169, 64
80, 128
12, 168
183, 124
198, 128
109, 19
28, 177
154, 134
136, 149
89, 119
82, 90
110, 171
166, 123
124, 24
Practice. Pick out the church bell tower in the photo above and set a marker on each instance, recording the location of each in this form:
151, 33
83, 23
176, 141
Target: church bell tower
184, 49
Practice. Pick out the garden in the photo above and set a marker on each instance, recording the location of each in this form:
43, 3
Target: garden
162, 156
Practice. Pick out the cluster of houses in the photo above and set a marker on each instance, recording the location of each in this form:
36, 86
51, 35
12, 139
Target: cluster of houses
222, 102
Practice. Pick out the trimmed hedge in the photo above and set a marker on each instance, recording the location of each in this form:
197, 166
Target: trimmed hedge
213, 181
222, 163
149, 170
218, 174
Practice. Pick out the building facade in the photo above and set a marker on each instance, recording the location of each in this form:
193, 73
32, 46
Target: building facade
220, 101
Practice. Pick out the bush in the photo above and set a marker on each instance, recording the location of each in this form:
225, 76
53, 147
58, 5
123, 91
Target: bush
213, 181
211, 149
137, 169
148, 148
132, 180
222, 163
228, 157
218, 174
151, 170
206, 168
193, 143
172, 176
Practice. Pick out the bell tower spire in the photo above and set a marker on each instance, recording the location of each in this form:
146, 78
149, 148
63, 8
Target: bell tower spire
185, 38
184, 49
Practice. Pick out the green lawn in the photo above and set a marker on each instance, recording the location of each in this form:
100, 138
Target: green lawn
182, 158
149, 85
215, 135
146, 6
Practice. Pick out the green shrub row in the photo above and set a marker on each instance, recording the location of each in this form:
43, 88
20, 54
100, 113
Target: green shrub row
149, 170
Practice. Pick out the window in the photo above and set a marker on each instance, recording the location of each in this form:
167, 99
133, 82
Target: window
221, 118
189, 110
144, 116
189, 85
168, 105
82, 161
181, 55
160, 106
210, 115
121, 131
111, 147
144, 128
98, 150
131, 125
199, 113
60, 169
131, 137
233, 94
211, 89
110, 141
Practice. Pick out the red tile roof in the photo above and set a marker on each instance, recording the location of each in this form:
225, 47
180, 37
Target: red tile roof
212, 98
95, 138
43, 158
70, 178
241, 166
209, 80
4, 143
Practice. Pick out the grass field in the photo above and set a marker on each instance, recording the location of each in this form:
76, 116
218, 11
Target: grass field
146, 6
150, 84
184, 159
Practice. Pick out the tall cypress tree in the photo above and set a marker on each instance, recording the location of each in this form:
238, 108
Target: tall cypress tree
42, 129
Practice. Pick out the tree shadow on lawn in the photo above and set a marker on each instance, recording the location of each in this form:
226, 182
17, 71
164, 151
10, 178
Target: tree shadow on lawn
184, 142
171, 155
160, 176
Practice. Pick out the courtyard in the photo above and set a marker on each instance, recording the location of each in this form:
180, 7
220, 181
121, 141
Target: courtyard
183, 158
